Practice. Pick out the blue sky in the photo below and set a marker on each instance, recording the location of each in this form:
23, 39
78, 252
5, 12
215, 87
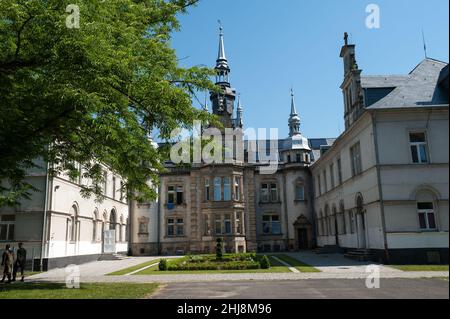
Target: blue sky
273, 45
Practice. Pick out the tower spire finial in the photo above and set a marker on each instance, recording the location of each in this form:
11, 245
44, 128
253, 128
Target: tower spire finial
294, 119
346, 38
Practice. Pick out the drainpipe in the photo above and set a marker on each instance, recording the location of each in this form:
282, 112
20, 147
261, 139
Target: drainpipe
286, 215
380, 191
44, 223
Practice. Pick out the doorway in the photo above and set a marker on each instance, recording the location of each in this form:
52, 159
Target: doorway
302, 238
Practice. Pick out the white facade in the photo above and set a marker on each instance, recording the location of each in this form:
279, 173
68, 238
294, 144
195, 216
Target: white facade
74, 226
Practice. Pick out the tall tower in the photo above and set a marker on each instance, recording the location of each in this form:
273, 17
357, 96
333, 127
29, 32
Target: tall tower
351, 86
294, 119
223, 102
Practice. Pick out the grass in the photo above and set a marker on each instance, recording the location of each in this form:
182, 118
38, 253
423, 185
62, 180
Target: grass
276, 267
301, 266
421, 267
134, 268
86, 291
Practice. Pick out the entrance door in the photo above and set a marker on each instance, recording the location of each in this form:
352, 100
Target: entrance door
302, 238
109, 241
362, 231
336, 230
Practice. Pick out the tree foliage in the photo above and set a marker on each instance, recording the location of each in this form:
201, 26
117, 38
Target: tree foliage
92, 94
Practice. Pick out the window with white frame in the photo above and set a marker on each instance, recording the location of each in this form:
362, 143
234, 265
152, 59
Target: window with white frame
7, 224
427, 217
418, 145
171, 195
175, 195
271, 224
355, 156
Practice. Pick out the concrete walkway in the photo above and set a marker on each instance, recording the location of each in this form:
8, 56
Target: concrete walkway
332, 267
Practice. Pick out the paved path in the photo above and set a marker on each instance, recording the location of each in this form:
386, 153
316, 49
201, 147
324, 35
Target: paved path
308, 289
332, 267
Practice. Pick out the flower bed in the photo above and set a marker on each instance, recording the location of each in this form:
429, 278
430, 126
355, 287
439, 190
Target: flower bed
210, 262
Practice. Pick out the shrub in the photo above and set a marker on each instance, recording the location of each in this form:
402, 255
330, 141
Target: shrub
219, 248
163, 265
264, 262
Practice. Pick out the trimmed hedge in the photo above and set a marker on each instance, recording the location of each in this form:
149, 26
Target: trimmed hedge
232, 265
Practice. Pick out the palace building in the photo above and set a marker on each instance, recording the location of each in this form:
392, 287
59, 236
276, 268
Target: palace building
379, 191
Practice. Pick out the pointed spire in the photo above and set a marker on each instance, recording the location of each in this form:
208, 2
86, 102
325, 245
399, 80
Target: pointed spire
205, 106
239, 118
293, 107
222, 62
294, 119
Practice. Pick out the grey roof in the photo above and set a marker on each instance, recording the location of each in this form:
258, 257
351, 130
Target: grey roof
418, 89
382, 81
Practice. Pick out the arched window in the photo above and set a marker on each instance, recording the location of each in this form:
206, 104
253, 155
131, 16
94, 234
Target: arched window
320, 224
360, 209
94, 226
300, 191
112, 220
73, 223
121, 229
342, 213
334, 221
427, 210
328, 220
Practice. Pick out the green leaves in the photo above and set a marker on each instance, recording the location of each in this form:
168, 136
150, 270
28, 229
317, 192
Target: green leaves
95, 93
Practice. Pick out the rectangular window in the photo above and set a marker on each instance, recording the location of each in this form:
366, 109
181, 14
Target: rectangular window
271, 225
352, 222
171, 195
355, 156
7, 224
217, 189
114, 187
332, 176
427, 218
179, 195
298, 158
180, 227
237, 188
226, 189
264, 193
339, 168
171, 227
207, 198
418, 144
143, 228
300, 192
325, 182
218, 224
227, 224
273, 193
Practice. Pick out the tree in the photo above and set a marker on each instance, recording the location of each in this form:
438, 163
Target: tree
92, 94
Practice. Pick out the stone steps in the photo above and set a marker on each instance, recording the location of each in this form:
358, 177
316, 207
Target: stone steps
111, 257
328, 249
360, 255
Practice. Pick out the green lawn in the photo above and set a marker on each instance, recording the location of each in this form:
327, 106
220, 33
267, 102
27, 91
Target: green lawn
276, 267
421, 267
134, 268
301, 266
86, 291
